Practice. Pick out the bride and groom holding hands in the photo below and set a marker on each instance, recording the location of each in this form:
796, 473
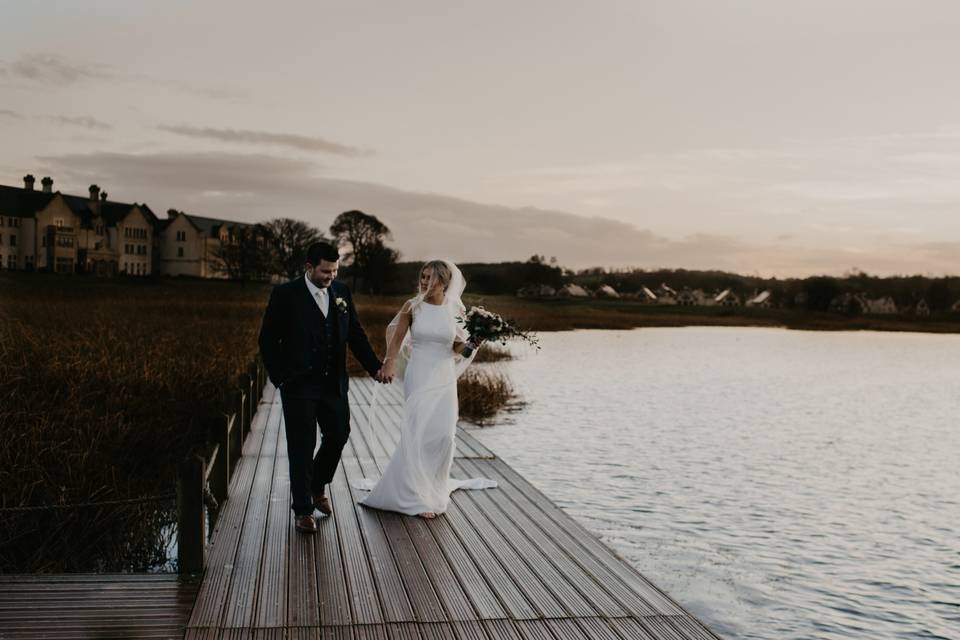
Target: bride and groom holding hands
308, 325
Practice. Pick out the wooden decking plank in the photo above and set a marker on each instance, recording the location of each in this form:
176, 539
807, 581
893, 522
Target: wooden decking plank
370, 632
534, 630
502, 629
691, 628
426, 573
208, 610
271, 596
302, 589
365, 603
240, 608
107, 579
597, 628
445, 582
412, 574
660, 602
424, 599
540, 567
335, 633
514, 600
398, 602
468, 575
631, 629
544, 541
529, 583
568, 629
479, 447
662, 628
332, 591
407, 631
632, 601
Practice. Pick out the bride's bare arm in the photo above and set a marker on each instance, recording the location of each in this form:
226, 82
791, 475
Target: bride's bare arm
403, 325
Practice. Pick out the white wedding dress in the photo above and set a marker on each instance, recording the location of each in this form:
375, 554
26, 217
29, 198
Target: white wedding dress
417, 477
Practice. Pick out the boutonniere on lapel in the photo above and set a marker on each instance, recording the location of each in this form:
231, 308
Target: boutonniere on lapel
341, 304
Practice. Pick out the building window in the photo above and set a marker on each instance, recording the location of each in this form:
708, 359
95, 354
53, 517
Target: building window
179, 252
13, 240
43, 241
11, 262
58, 223
181, 236
28, 263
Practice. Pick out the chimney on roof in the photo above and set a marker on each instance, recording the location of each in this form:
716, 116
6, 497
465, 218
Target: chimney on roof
47, 183
103, 196
171, 214
94, 193
28, 181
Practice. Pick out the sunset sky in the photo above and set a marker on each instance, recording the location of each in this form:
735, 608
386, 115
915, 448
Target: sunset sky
766, 137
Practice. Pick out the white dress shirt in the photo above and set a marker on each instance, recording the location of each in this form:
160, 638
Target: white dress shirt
320, 296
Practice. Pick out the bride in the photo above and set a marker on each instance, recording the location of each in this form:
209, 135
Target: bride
428, 350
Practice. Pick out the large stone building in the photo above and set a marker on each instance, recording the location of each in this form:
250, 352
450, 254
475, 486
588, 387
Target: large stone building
50, 231
45, 230
189, 244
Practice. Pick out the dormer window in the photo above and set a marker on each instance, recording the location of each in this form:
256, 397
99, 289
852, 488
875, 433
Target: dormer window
58, 223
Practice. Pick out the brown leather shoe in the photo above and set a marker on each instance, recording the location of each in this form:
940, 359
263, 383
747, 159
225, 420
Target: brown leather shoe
306, 524
322, 503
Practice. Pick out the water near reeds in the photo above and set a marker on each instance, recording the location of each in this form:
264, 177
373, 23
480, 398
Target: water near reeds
779, 484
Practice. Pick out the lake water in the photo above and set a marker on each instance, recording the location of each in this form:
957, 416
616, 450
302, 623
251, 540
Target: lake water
778, 484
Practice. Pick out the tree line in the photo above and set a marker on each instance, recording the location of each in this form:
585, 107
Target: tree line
278, 247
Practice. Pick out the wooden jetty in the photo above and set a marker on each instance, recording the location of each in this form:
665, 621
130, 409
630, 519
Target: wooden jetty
503, 563
88, 605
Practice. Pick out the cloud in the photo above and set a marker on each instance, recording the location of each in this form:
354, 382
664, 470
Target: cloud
246, 136
54, 69
6, 113
86, 122
256, 187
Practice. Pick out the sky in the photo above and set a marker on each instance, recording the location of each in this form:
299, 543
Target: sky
767, 137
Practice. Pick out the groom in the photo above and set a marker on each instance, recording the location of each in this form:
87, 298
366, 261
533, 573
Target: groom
306, 328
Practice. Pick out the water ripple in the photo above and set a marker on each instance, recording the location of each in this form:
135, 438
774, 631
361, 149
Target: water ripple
777, 483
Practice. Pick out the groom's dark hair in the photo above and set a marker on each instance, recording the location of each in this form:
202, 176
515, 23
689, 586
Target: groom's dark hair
322, 251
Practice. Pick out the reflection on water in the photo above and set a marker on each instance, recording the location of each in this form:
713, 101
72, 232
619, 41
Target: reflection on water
779, 484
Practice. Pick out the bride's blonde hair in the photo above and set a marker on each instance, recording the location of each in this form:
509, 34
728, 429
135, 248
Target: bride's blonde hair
441, 273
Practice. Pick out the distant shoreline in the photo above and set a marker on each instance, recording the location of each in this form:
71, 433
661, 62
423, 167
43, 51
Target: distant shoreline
565, 314
535, 314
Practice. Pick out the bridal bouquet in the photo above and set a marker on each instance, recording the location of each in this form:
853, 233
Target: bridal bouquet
489, 326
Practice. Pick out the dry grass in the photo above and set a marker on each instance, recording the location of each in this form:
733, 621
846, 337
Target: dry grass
493, 353
107, 386
483, 392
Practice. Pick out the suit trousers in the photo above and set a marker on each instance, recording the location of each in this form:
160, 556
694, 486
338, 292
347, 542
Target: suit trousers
308, 472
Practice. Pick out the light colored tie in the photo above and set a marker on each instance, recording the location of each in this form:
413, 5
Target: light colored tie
322, 299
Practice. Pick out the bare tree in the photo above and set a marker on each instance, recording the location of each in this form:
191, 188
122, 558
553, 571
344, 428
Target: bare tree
365, 236
287, 241
244, 255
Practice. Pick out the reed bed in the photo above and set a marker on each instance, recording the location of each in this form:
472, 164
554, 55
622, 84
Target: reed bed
483, 393
107, 386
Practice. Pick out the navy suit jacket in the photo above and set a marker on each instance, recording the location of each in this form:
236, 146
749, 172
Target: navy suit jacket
289, 343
